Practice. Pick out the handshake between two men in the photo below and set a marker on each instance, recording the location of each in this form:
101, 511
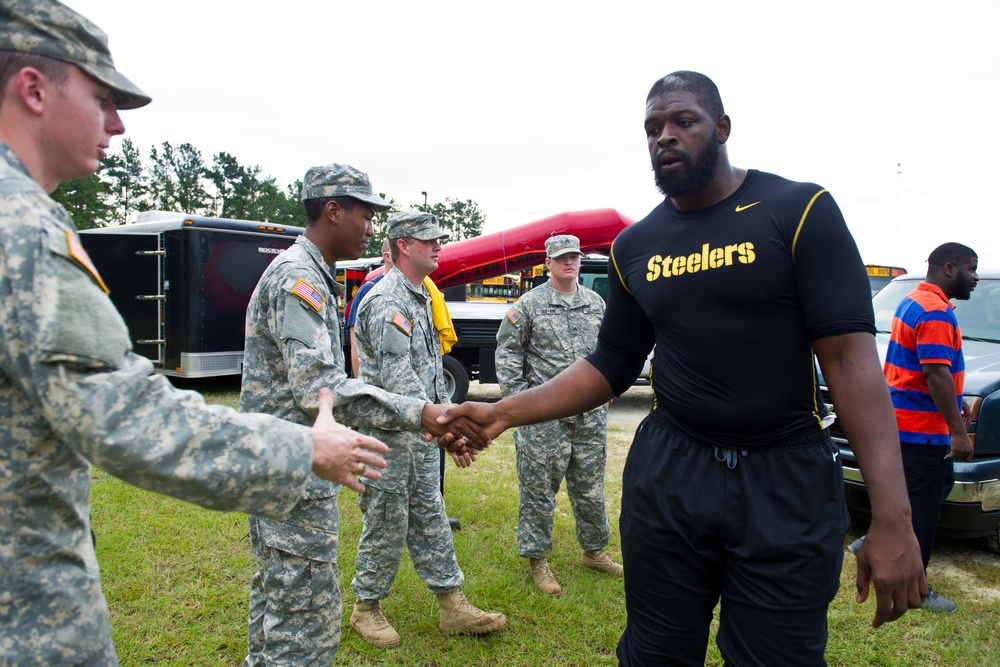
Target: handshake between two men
345, 456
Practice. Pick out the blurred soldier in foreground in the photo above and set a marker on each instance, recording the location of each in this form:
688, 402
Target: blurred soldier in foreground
293, 347
548, 329
399, 349
71, 392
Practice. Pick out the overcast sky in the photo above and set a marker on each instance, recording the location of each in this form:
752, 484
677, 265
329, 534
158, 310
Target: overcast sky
533, 108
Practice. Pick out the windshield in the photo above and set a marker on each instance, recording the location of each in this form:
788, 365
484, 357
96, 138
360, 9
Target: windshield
979, 317
878, 283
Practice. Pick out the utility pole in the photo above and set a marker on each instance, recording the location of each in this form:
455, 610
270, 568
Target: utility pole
895, 236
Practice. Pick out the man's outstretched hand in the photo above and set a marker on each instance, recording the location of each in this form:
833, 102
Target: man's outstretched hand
340, 454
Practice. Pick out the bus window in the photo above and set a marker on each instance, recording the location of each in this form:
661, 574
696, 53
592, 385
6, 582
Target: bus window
499, 289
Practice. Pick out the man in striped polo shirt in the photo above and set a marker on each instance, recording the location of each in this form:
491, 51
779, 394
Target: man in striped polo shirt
925, 370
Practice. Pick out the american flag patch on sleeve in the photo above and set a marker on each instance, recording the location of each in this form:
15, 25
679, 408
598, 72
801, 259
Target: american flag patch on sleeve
403, 323
305, 291
513, 316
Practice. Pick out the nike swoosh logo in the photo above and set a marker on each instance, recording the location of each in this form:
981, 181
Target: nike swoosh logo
743, 208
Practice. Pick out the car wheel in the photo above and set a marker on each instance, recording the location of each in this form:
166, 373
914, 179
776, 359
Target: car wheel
993, 540
456, 380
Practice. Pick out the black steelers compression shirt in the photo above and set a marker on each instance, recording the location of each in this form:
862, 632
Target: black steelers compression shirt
732, 295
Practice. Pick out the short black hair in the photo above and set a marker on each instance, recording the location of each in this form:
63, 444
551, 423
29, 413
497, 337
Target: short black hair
314, 207
703, 88
951, 253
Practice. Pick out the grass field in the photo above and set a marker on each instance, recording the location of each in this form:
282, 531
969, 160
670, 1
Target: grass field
176, 578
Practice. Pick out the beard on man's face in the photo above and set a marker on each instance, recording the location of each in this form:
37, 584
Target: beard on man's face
963, 288
696, 175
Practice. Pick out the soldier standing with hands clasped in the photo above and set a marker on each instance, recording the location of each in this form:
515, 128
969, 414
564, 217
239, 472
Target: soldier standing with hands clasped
548, 329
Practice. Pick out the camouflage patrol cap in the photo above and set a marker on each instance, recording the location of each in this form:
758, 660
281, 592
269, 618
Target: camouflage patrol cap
414, 224
51, 29
341, 180
557, 246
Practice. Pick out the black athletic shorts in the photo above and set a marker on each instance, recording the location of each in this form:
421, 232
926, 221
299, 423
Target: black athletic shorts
762, 530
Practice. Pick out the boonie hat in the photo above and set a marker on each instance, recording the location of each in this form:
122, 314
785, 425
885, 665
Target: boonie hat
414, 224
341, 180
557, 246
51, 29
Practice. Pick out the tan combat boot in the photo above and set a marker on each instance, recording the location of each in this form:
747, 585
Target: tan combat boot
368, 621
460, 617
596, 559
543, 577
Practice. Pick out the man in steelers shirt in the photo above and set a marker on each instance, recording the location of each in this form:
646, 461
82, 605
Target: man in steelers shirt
732, 489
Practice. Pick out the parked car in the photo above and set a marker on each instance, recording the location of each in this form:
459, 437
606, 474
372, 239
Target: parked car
972, 510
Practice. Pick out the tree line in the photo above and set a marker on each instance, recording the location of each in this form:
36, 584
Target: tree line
177, 178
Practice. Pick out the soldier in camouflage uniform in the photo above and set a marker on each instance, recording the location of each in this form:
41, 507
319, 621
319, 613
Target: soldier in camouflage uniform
293, 347
548, 329
72, 393
398, 349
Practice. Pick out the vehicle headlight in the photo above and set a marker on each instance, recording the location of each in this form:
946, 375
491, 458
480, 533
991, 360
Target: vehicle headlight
974, 403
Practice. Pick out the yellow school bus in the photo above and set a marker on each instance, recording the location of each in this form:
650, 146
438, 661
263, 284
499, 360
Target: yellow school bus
879, 276
498, 289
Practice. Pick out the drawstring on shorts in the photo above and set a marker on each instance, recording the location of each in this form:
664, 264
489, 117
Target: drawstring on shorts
729, 456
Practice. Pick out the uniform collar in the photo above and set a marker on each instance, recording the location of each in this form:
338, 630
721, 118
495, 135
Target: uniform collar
7, 153
316, 256
416, 290
556, 297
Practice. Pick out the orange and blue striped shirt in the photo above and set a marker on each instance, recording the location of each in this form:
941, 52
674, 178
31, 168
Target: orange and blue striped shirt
924, 331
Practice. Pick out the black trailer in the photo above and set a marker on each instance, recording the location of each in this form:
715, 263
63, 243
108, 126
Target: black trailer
182, 284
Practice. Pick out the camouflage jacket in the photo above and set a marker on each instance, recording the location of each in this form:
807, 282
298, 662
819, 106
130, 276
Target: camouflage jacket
541, 335
72, 394
293, 349
399, 349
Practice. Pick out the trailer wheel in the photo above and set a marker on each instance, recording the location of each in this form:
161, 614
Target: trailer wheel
456, 380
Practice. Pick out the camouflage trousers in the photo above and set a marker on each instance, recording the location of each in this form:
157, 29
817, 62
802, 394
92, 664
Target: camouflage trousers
294, 607
415, 519
547, 453
105, 658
